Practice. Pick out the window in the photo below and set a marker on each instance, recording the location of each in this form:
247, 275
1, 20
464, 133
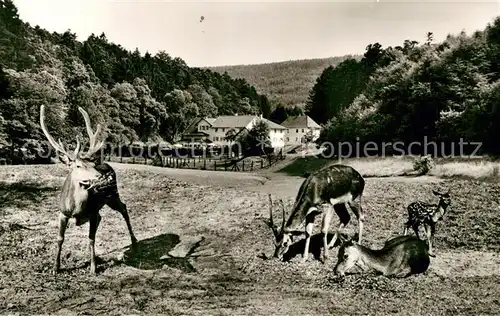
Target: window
216, 130
296, 139
288, 131
302, 130
223, 130
288, 139
297, 130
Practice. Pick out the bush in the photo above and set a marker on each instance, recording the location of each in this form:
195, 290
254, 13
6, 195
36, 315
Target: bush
422, 165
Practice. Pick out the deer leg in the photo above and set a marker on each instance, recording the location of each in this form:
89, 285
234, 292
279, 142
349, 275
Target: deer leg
415, 229
406, 227
327, 218
344, 217
358, 212
431, 233
309, 230
93, 225
429, 242
117, 205
63, 223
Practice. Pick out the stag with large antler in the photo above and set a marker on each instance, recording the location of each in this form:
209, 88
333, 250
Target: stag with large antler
336, 185
88, 187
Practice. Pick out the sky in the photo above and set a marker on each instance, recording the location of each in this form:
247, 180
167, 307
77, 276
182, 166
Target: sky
253, 32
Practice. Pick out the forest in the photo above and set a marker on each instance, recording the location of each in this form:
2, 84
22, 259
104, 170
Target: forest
443, 92
136, 96
287, 83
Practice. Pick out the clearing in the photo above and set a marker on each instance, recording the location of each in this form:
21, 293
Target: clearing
225, 276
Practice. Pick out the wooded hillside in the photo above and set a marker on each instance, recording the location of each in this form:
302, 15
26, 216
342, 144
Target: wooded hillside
443, 92
287, 83
135, 95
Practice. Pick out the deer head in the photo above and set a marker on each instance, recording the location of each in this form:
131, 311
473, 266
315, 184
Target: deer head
347, 256
80, 163
444, 197
282, 240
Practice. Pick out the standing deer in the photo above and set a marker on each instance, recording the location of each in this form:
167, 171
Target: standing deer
336, 185
400, 257
87, 188
421, 213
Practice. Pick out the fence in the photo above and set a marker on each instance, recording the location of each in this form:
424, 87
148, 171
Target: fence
247, 164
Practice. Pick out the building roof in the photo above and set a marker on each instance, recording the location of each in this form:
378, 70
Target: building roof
210, 120
272, 124
233, 121
302, 121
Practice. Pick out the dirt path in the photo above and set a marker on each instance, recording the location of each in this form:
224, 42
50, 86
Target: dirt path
265, 182
203, 177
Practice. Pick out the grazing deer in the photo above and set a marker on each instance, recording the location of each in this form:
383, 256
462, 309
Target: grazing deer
427, 214
400, 257
87, 188
336, 185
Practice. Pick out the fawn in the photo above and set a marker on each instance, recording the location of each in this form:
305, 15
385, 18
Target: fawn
427, 214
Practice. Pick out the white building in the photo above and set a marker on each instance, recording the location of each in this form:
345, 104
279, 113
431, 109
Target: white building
215, 130
297, 127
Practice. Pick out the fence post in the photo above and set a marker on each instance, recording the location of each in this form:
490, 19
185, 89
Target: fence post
261, 163
215, 165
204, 164
145, 160
251, 166
225, 166
133, 159
194, 163
243, 165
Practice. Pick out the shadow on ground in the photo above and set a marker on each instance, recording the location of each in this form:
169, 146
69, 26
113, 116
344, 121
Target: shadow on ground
21, 194
152, 253
315, 246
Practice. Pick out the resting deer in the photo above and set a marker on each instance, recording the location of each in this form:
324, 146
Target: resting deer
427, 214
400, 257
336, 185
87, 188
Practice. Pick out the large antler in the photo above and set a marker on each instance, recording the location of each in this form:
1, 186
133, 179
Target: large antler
282, 204
271, 221
93, 146
57, 145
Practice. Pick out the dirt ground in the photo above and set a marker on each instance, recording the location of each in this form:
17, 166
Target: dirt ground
225, 274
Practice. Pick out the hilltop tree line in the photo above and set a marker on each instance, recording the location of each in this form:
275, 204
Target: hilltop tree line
135, 96
286, 83
442, 92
